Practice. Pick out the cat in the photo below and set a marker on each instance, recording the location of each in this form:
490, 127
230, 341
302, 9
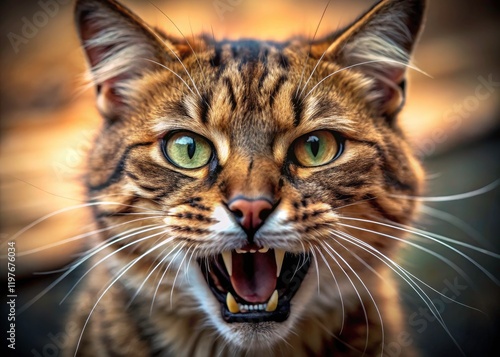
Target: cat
249, 195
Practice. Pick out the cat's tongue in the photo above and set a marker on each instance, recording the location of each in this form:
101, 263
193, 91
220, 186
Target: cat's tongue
254, 275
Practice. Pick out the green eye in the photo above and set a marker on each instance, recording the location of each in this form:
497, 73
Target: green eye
316, 149
187, 150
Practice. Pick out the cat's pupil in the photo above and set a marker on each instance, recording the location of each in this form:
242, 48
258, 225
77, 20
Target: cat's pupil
313, 142
191, 148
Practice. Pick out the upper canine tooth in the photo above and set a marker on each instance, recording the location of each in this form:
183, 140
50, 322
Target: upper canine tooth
228, 261
263, 250
272, 304
279, 255
231, 303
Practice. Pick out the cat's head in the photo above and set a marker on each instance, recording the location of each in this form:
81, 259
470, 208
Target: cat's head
259, 169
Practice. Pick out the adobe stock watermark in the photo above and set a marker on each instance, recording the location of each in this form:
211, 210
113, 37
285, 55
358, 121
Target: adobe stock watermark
223, 6
455, 116
30, 26
421, 318
57, 342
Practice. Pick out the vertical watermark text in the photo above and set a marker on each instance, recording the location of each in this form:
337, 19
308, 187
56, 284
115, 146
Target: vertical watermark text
11, 295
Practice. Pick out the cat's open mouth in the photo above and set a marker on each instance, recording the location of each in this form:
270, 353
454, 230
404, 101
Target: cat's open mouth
255, 284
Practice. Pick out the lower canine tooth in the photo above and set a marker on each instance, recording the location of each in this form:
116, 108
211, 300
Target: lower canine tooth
272, 304
231, 303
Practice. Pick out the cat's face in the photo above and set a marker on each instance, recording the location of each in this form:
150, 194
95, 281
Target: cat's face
247, 173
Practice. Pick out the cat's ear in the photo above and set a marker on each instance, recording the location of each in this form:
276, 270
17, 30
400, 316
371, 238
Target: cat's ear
119, 47
379, 44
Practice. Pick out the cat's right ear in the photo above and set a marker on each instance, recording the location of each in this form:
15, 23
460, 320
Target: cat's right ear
119, 47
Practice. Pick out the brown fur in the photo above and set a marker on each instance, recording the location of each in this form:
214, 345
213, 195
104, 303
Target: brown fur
251, 100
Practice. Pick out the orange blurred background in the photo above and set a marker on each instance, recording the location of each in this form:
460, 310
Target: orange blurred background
48, 120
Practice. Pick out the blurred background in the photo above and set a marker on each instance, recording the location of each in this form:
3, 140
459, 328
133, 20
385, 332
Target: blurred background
48, 121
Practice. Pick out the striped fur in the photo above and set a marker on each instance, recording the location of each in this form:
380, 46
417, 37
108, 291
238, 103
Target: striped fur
251, 100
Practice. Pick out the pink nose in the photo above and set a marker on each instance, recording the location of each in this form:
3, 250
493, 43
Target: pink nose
250, 213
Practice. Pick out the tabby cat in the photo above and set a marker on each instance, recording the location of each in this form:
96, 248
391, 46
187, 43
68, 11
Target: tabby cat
247, 193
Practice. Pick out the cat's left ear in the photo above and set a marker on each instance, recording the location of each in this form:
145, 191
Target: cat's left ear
379, 44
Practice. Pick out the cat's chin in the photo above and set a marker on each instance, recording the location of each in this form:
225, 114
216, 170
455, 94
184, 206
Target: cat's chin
254, 337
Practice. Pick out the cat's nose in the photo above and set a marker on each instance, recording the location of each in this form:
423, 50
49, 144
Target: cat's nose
250, 213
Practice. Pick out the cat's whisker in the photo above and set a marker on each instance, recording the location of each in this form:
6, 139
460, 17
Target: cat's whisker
62, 211
151, 214
127, 233
456, 222
306, 57
142, 208
315, 260
110, 285
368, 292
74, 266
96, 247
447, 261
362, 261
396, 268
165, 257
174, 73
361, 64
403, 274
183, 66
338, 288
449, 198
458, 270
107, 257
188, 265
160, 272
327, 331
160, 256
421, 234
177, 274
329, 250
304, 258
80, 236
188, 43
312, 72
179, 250
124, 235
100, 197
44, 190
138, 246
430, 237
52, 214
